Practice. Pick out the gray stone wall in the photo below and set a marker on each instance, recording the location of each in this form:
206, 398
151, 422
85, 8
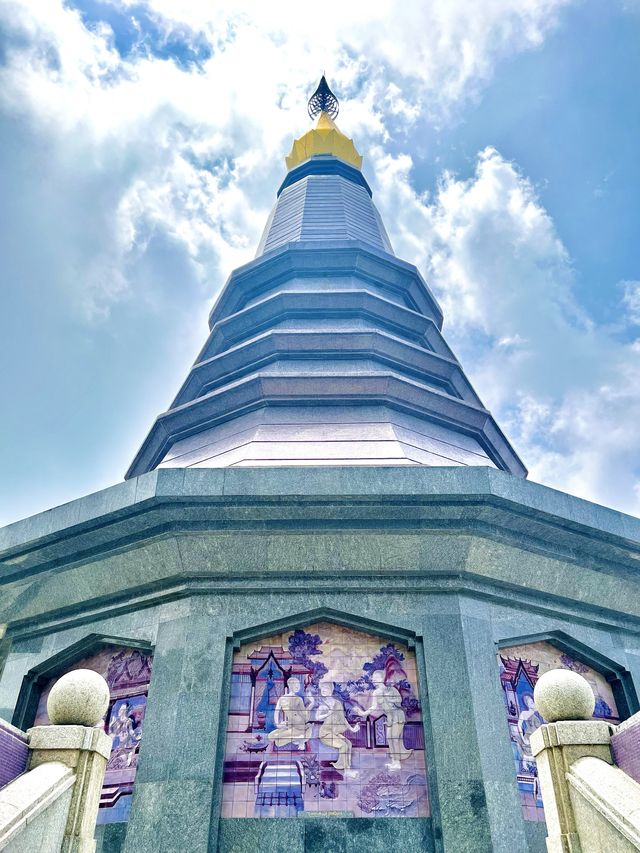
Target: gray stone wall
459, 561
468, 749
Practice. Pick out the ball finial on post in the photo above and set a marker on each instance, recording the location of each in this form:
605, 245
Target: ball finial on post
78, 698
561, 694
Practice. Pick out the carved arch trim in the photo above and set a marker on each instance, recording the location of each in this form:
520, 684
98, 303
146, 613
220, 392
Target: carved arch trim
616, 674
36, 678
324, 614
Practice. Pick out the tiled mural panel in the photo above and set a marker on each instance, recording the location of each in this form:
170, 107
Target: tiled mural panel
324, 719
127, 672
520, 668
625, 746
14, 753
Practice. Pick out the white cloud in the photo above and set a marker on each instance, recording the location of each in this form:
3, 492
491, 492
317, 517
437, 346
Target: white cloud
565, 390
631, 301
139, 184
197, 152
447, 46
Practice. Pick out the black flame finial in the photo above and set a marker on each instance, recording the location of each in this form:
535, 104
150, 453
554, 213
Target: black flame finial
323, 101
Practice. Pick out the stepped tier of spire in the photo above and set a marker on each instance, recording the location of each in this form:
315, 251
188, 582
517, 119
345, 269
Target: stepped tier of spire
325, 349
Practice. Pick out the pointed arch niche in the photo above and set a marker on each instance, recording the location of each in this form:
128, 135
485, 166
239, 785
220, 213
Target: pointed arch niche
126, 665
324, 715
521, 662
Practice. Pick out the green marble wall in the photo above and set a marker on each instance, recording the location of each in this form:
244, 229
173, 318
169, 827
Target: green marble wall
318, 835
454, 563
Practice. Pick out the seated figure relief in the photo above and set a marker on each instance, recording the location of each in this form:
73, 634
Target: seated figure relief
334, 725
291, 717
324, 718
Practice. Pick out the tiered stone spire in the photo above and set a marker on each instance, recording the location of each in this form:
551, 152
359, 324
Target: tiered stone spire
325, 349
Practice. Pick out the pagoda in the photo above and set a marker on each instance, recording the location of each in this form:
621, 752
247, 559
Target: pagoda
324, 592
326, 349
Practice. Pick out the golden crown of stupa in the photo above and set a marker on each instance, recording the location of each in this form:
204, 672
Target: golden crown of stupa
325, 137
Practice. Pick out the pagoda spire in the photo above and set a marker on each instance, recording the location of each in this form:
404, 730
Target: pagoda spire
323, 101
325, 138
326, 349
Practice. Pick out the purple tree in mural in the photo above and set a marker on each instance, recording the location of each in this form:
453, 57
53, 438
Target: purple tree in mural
389, 659
602, 709
410, 703
381, 660
570, 663
302, 646
347, 690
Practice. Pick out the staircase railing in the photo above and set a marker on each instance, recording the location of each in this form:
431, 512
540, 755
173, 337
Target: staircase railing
52, 775
588, 770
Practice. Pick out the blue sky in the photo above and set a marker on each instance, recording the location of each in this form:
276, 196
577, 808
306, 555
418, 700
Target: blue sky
569, 116
142, 144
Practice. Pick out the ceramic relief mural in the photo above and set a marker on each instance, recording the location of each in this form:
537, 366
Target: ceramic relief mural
127, 672
520, 668
324, 719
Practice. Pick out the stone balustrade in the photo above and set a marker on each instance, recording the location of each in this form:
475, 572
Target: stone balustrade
53, 805
591, 805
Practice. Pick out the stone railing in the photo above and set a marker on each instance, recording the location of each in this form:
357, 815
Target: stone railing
591, 805
52, 806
